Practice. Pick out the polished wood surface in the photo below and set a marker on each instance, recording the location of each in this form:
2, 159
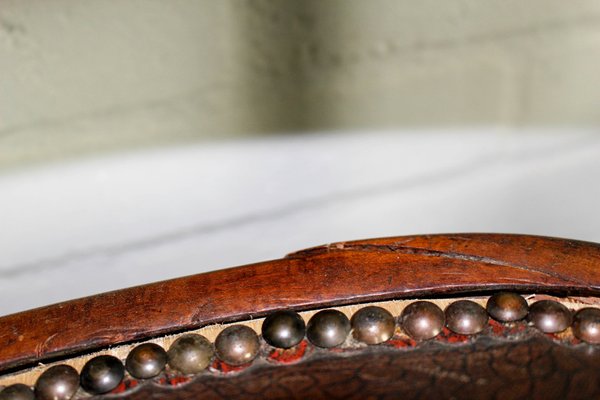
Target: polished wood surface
342, 273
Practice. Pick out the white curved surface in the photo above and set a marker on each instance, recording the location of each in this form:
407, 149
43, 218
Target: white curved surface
94, 225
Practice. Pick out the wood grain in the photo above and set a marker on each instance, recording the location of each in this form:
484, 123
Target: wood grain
342, 273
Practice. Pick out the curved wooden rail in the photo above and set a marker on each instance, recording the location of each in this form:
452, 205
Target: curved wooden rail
336, 274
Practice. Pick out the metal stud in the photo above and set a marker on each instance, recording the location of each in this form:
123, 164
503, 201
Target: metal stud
146, 361
328, 328
190, 354
102, 374
507, 307
237, 345
283, 329
57, 383
549, 316
18, 391
466, 317
422, 320
372, 325
586, 325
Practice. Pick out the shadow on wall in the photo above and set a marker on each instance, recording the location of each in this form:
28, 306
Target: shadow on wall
80, 78
342, 65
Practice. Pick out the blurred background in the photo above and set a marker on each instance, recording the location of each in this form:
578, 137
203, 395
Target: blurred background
142, 140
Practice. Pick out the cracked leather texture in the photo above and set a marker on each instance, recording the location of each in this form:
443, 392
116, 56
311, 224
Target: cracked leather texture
536, 368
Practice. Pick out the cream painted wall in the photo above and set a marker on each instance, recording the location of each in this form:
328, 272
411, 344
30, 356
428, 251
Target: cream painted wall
87, 76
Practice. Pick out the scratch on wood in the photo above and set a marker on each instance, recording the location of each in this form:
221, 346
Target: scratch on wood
41, 347
459, 256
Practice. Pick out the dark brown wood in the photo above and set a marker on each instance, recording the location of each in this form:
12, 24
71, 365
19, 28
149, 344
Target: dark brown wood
341, 273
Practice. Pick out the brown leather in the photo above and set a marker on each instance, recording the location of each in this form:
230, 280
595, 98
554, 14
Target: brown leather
487, 369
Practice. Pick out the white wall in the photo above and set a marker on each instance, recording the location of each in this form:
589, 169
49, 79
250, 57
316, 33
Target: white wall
87, 76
